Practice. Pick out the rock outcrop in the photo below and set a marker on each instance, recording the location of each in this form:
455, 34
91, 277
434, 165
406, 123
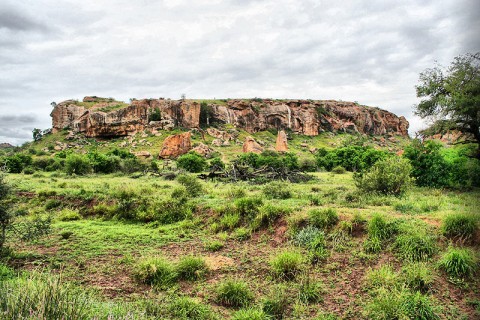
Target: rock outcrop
281, 144
250, 145
176, 145
100, 117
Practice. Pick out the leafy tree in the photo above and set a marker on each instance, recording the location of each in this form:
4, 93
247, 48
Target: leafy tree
192, 162
78, 164
17, 162
155, 115
453, 94
37, 134
206, 113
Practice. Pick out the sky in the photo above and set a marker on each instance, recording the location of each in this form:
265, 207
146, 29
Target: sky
366, 51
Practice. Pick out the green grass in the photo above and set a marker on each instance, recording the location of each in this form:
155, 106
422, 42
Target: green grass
287, 264
458, 262
234, 293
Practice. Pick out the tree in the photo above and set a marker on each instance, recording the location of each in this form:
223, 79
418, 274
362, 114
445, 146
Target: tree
453, 94
37, 134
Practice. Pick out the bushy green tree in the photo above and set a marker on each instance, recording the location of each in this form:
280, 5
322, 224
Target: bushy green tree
103, 163
17, 162
77, 164
192, 162
352, 158
453, 94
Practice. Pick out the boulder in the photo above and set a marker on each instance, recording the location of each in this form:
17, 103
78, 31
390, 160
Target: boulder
203, 150
142, 154
217, 142
176, 145
281, 144
250, 145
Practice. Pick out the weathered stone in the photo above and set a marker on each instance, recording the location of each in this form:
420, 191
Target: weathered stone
203, 150
222, 135
250, 145
217, 142
281, 144
142, 154
176, 145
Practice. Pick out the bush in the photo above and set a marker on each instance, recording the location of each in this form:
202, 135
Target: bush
185, 308
69, 215
214, 245
6, 273
171, 211
309, 235
156, 271
268, 214
250, 314
378, 227
77, 164
17, 162
102, 163
230, 221
323, 219
277, 190
459, 226
286, 265
339, 170
276, 304
216, 164
390, 176
417, 276
384, 276
248, 207
458, 263
155, 115
191, 183
415, 246
191, 268
352, 158
418, 306
192, 162
234, 293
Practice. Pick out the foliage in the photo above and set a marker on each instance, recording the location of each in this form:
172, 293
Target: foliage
286, 265
206, 114
156, 271
248, 207
216, 164
339, 170
459, 226
389, 176
429, 168
418, 306
352, 158
268, 214
323, 218
155, 115
277, 190
250, 314
234, 293
384, 276
458, 263
270, 159
17, 162
191, 183
103, 163
192, 162
453, 94
310, 291
69, 215
184, 308
276, 304
417, 276
77, 164
415, 246
191, 268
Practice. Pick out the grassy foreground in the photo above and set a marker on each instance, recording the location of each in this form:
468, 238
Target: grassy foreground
314, 250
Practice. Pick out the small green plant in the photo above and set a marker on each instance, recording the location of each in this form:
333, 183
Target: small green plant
458, 263
156, 271
230, 221
69, 215
418, 306
339, 170
234, 293
248, 207
185, 308
214, 245
380, 228
417, 276
242, 234
191, 268
277, 190
287, 264
191, 183
415, 246
66, 235
6, 273
276, 304
459, 226
384, 276
309, 292
250, 314
323, 218
268, 214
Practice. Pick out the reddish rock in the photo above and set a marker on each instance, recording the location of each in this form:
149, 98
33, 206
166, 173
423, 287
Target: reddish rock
250, 145
203, 149
281, 144
142, 154
176, 145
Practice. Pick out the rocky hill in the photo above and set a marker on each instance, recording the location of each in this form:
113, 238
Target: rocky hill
101, 117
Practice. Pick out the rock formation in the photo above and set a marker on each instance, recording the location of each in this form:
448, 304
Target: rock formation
281, 145
176, 145
250, 145
100, 117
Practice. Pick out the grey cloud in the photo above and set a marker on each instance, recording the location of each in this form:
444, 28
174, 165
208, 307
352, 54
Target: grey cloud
16, 21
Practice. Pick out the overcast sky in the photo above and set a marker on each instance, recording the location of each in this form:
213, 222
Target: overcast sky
370, 52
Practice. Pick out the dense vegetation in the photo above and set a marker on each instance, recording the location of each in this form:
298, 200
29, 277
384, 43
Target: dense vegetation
371, 235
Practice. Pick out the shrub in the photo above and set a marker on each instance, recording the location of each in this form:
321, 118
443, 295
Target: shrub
418, 306
214, 245
268, 214
389, 176
323, 219
248, 207
230, 221
417, 276
77, 164
276, 304
185, 308
310, 292
242, 234
250, 314
308, 235
384, 276
191, 268
277, 190
458, 263
415, 246
17, 162
155, 115
52, 204
191, 183
339, 170
459, 226
216, 164
103, 163
171, 211
234, 293
6, 273
379, 228
192, 162
156, 271
286, 265
131, 165
69, 215
352, 158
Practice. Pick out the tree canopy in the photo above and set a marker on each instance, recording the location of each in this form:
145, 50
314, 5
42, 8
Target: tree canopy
453, 94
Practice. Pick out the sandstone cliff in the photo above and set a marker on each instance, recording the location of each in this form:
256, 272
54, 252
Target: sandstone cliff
306, 117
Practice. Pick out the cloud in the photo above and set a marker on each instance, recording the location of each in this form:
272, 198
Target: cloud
371, 53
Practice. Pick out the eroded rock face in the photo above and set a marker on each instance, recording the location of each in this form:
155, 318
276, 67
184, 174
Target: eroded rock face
306, 117
176, 145
250, 145
203, 150
281, 145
